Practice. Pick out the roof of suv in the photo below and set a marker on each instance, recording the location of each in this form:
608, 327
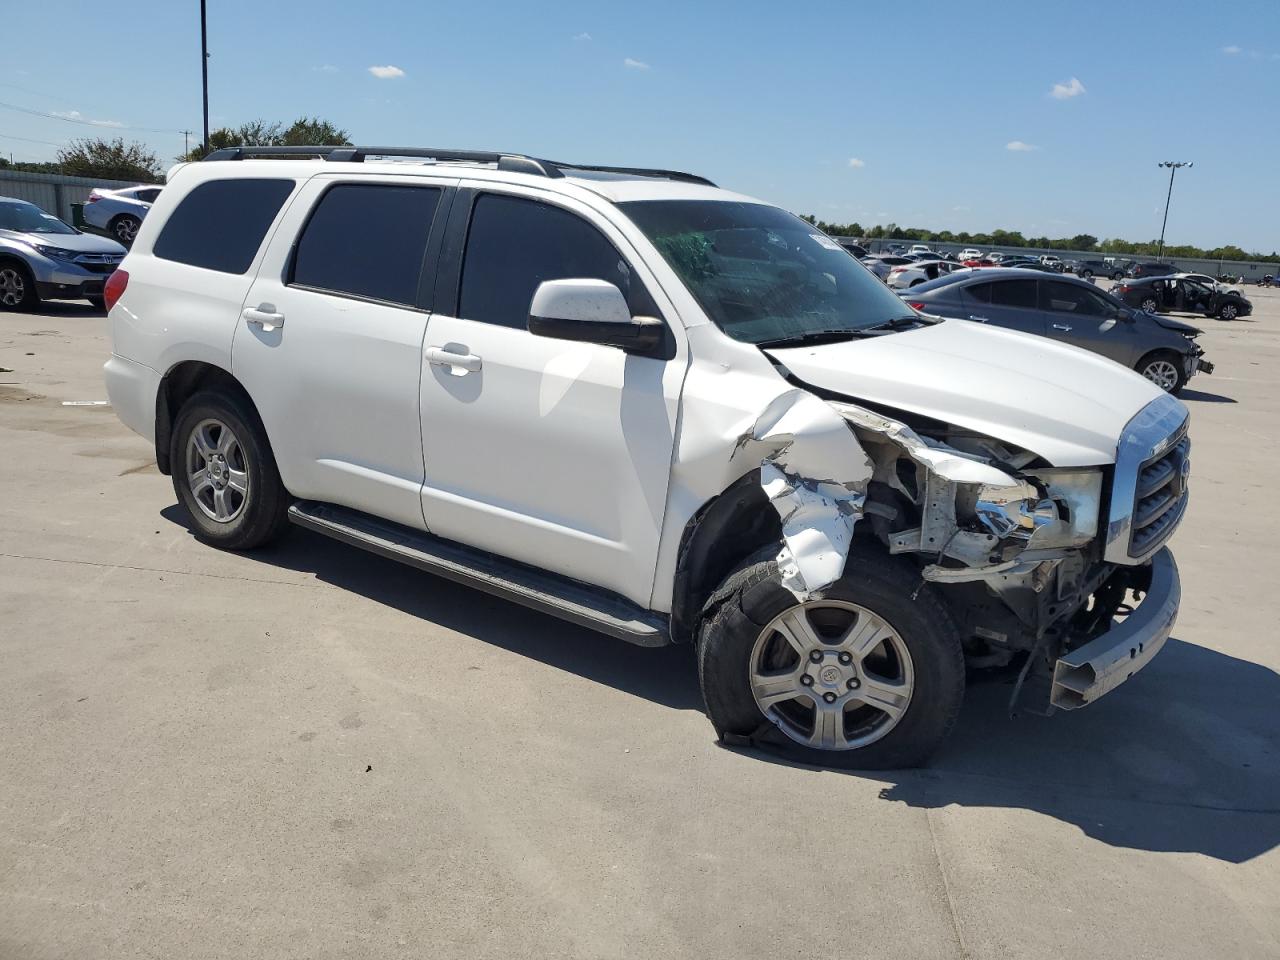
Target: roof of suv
617, 185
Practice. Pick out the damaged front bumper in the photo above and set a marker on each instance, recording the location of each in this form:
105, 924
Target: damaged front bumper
1108, 660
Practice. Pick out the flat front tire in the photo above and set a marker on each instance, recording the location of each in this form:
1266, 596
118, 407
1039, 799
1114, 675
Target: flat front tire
224, 473
866, 674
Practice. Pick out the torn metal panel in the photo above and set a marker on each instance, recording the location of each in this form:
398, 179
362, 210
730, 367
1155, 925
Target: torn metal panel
815, 474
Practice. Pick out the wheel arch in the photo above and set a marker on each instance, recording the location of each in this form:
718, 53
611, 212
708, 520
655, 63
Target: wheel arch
726, 529
182, 381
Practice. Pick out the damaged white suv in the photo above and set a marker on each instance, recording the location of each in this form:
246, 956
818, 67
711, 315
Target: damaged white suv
660, 409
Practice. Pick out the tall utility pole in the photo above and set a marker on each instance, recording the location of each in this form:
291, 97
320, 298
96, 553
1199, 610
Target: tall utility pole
186, 142
1174, 166
204, 72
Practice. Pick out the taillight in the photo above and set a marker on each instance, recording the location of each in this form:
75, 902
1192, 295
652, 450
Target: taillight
114, 288
916, 304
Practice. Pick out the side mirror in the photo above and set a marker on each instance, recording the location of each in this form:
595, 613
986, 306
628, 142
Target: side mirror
591, 311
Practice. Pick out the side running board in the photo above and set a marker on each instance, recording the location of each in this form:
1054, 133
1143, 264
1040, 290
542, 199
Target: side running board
537, 589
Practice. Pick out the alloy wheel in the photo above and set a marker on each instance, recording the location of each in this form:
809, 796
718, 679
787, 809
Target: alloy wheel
1229, 311
13, 287
1162, 373
831, 675
216, 471
1149, 305
126, 229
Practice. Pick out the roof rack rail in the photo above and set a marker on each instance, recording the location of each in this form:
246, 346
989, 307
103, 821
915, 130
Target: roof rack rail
515, 162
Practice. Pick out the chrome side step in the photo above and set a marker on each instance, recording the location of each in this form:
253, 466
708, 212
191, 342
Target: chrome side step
528, 586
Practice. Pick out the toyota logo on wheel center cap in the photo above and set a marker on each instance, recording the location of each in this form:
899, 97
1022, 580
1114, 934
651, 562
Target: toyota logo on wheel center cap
829, 675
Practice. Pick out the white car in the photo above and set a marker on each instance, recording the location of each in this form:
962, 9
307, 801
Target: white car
119, 212
970, 253
919, 248
913, 274
660, 409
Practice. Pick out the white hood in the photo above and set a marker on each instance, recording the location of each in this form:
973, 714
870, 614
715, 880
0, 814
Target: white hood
1063, 403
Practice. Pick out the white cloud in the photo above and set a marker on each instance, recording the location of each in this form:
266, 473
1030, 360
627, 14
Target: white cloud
856, 163
960, 209
1017, 146
78, 116
635, 64
582, 36
326, 68
386, 73
1232, 50
1065, 91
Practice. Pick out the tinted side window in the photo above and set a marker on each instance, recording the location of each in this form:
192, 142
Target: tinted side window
220, 224
514, 244
1014, 293
147, 196
1070, 298
367, 240
979, 292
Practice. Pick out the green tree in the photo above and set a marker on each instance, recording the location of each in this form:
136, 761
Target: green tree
304, 131
109, 160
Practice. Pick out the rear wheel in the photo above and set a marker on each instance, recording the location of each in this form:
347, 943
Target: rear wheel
225, 474
1164, 368
867, 673
17, 287
125, 228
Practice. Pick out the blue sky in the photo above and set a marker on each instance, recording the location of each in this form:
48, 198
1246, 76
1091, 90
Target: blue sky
873, 112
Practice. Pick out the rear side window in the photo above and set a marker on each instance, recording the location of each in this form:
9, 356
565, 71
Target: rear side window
979, 292
1072, 298
1014, 293
514, 244
147, 196
367, 240
220, 224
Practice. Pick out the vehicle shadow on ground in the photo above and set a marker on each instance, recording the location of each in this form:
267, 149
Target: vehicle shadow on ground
665, 675
1199, 396
1184, 757
69, 308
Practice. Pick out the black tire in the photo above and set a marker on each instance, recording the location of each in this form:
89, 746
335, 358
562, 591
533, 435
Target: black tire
263, 509
1086, 274
1118, 276
17, 286
124, 229
915, 283
1150, 305
891, 588
1228, 311
1168, 356
98, 303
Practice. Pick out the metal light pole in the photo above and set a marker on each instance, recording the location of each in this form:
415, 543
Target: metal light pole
204, 72
1174, 166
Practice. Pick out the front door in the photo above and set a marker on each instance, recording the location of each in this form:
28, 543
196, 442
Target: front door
546, 451
1081, 316
330, 343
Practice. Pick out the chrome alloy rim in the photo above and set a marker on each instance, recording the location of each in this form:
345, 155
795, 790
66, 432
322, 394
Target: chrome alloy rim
1162, 373
831, 675
216, 471
13, 288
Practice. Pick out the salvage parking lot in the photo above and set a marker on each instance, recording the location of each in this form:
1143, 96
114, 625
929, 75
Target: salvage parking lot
309, 751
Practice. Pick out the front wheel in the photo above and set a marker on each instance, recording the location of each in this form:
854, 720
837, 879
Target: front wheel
17, 288
866, 674
1117, 276
1165, 369
1149, 305
1228, 311
1087, 275
224, 473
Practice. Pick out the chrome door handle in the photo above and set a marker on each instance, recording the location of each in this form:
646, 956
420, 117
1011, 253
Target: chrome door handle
1063, 327
440, 357
979, 319
264, 315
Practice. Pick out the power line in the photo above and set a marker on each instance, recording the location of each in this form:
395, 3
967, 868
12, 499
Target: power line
47, 143
86, 123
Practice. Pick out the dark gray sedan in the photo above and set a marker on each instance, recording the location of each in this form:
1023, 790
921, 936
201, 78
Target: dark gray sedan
1160, 348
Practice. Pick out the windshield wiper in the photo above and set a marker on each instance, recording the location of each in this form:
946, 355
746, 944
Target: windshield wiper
815, 337
903, 323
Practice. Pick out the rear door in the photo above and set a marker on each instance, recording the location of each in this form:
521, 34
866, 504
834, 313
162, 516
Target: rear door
547, 451
330, 340
1011, 304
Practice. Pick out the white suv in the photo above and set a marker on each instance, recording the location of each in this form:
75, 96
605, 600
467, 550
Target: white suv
673, 413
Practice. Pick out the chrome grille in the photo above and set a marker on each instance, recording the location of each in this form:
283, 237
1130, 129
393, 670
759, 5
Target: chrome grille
1161, 496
